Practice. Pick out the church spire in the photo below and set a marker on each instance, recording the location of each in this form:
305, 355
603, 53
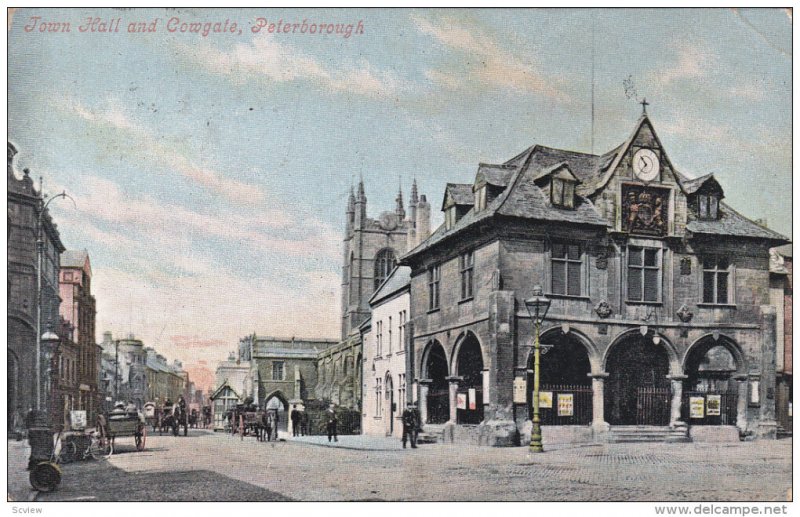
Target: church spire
399, 210
414, 196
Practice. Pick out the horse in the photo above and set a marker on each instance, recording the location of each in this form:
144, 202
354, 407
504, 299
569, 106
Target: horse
179, 418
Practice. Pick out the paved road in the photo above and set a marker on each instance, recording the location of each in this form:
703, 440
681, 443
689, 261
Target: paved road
208, 466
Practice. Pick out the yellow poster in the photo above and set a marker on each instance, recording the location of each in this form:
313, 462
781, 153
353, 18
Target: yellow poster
546, 400
565, 404
696, 407
713, 405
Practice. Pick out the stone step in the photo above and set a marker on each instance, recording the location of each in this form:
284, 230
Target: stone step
633, 433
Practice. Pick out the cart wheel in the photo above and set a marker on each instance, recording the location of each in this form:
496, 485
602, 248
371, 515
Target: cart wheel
141, 438
45, 476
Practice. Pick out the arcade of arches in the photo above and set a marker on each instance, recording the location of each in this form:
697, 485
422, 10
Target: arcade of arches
637, 386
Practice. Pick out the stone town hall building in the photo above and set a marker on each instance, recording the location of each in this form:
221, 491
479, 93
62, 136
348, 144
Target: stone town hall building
660, 308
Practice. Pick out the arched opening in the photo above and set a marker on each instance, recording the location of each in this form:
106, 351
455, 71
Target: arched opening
277, 403
13, 394
384, 264
637, 390
438, 399
389, 407
563, 381
710, 394
469, 366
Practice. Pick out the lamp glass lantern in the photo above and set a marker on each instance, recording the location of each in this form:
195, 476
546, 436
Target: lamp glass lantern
537, 306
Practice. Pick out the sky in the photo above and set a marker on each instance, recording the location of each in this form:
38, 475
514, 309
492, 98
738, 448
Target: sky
211, 172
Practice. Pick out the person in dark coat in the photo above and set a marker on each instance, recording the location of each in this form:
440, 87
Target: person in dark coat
330, 417
295, 416
409, 427
303, 423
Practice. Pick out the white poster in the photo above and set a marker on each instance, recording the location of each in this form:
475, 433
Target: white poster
696, 407
754, 395
77, 419
565, 404
461, 400
486, 385
519, 390
713, 405
472, 402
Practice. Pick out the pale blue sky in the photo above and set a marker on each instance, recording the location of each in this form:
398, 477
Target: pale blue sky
211, 173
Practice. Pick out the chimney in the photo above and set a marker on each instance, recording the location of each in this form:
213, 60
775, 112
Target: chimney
423, 219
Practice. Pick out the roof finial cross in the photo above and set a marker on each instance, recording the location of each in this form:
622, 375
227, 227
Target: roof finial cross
644, 104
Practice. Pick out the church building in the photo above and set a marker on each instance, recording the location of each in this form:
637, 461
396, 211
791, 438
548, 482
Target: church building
371, 249
660, 319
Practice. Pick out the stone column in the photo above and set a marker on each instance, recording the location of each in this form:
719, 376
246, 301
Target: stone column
767, 425
422, 398
677, 399
453, 380
741, 403
599, 424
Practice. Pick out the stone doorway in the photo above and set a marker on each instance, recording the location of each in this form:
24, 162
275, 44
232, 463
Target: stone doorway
389, 408
438, 398
637, 390
564, 372
469, 367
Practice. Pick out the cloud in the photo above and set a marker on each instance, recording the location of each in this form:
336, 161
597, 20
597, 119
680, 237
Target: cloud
691, 60
150, 148
267, 59
490, 65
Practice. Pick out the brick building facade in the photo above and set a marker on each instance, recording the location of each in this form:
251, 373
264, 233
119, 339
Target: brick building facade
78, 309
659, 290
24, 208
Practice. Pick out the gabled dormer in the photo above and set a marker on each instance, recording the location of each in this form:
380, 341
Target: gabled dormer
458, 200
490, 181
559, 183
704, 196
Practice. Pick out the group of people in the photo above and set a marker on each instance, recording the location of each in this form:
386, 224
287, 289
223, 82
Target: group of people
299, 422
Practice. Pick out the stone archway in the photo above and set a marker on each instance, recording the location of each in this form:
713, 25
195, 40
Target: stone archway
638, 390
278, 403
13, 393
469, 368
715, 373
564, 374
435, 391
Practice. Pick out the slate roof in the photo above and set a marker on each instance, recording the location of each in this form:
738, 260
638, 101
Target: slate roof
461, 193
690, 186
732, 223
398, 279
523, 199
497, 175
74, 258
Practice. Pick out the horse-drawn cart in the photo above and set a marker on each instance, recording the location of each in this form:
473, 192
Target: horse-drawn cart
124, 424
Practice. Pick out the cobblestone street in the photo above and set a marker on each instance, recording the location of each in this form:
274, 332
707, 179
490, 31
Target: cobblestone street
217, 467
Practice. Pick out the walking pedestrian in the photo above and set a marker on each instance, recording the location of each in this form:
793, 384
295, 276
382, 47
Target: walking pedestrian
409, 427
295, 416
275, 421
332, 423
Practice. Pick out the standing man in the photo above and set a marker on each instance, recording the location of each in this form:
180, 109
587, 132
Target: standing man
295, 416
303, 423
332, 422
409, 427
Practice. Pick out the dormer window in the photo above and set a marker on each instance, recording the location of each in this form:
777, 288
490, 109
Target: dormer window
480, 198
450, 217
708, 206
562, 193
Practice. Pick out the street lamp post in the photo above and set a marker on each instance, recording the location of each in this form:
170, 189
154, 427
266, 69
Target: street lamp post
537, 309
39, 259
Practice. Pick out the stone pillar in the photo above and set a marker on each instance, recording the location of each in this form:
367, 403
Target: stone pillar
767, 425
741, 403
453, 380
677, 399
422, 397
599, 424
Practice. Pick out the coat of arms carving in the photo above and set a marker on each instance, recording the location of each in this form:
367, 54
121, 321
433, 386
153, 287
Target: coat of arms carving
645, 210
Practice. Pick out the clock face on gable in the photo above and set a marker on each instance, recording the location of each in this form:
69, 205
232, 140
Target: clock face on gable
646, 165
